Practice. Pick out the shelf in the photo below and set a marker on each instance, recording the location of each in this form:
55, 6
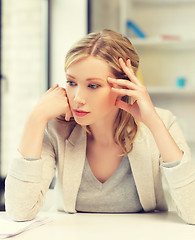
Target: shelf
161, 2
174, 43
169, 45
171, 90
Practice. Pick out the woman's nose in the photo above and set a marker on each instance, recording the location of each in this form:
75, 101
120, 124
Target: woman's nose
78, 99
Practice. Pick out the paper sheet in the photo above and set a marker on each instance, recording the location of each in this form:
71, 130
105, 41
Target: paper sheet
9, 228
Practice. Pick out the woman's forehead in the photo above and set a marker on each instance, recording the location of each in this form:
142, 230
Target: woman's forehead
91, 66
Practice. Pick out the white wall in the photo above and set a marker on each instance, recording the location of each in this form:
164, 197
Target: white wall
68, 24
23, 59
22, 64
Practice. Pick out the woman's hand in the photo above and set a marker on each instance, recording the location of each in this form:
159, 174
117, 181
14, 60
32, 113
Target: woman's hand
141, 107
53, 103
143, 110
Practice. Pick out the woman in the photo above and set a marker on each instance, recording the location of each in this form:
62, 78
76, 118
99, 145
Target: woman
110, 145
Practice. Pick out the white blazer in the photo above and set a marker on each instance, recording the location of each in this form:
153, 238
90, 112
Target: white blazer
64, 146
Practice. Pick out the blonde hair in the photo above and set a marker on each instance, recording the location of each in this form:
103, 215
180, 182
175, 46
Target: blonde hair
109, 46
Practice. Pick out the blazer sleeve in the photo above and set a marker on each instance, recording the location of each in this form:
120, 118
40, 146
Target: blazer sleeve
180, 178
27, 182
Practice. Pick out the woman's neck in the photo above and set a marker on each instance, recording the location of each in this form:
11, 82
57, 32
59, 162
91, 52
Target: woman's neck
102, 131
100, 138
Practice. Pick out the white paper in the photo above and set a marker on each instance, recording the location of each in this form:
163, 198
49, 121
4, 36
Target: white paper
9, 228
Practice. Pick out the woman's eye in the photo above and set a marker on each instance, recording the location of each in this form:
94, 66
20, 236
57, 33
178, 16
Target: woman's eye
70, 83
93, 86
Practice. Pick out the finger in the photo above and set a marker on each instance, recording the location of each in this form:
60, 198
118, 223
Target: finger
55, 86
68, 115
123, 83
60, 89
123, 92
52, 88
129, 71
128, 62
126, 66
129, 66
67, 118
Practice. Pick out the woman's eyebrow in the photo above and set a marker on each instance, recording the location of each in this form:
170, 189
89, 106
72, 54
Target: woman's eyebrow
68, 75
91, 79
88, 79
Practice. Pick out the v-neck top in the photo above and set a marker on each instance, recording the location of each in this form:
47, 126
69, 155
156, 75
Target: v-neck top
117, 194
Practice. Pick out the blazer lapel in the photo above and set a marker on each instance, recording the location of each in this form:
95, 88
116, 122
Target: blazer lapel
141, 165
75, 154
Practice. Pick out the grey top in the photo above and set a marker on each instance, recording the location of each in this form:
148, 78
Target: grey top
117, 194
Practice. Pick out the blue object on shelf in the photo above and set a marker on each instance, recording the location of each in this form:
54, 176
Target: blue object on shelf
180, 82
135, 29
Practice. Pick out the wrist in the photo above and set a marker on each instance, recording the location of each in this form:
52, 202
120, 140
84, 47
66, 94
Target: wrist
32, 137
37, 116
155, 123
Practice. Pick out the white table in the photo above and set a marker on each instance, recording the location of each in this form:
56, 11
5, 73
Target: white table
146, 226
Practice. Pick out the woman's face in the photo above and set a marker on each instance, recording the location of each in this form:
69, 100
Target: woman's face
88, 90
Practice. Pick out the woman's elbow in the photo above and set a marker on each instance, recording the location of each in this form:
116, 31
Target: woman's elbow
20, 214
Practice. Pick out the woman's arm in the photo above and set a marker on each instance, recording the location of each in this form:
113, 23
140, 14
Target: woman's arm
27, 181
32, 137
168, 148
143, 110
180, 178
52, 104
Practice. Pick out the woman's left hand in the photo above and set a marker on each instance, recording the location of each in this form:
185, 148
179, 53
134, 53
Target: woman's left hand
141, 107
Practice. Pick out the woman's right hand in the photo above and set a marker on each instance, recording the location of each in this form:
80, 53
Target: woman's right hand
53, 103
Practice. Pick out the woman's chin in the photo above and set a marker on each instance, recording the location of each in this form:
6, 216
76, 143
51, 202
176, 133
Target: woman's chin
81, 121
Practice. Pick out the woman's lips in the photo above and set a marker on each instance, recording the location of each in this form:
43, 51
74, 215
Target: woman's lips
80, 113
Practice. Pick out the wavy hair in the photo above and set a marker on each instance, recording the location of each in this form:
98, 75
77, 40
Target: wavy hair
109, 46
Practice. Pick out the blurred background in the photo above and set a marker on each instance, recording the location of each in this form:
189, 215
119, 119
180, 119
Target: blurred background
36, 34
